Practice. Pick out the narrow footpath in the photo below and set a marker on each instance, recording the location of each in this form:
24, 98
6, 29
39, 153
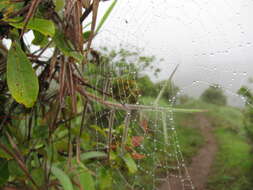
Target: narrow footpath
201, 163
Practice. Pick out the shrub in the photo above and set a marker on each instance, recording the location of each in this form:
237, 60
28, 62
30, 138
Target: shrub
214, 95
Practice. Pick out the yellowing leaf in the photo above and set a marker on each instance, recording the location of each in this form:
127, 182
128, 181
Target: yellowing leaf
21, 78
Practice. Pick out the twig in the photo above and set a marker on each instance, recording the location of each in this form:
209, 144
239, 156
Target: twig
93, 23
129, 107
30, 14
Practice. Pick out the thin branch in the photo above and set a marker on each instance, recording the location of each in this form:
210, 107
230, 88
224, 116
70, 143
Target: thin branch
128, 107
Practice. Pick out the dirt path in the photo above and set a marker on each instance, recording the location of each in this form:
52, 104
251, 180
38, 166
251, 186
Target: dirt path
201, 163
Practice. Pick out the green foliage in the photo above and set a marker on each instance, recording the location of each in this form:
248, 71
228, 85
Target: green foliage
21, 78
248, 112
245, 92
66, 47
125, 90
62, 177
170, 90
92, 154
106, 15
45, 27
87, 181
233, 164
4, 172
232, 167
214, 95
146, 86
130, 163
72, 134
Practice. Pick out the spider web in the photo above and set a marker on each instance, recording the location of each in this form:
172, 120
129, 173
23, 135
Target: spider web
192, 34
177, 31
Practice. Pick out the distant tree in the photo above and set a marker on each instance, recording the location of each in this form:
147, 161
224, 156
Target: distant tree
214, 95
183, 99
146, 86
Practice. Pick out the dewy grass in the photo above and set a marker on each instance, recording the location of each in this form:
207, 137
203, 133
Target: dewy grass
233, 164
232, 168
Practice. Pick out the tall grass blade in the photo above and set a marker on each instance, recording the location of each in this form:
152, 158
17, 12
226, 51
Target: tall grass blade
106, 15
165, 85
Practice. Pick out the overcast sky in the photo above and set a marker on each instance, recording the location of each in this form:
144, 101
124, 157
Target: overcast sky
211, 40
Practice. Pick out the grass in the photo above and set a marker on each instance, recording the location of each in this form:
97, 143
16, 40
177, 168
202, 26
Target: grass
158, 162
233, 164
234, 160
188, 135
232, 169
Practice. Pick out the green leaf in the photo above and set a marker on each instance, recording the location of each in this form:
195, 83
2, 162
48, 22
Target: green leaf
7, 7
182, 110
21, 78
86, 181
62, 177
92, 154
39, 39
130, 163
43, 26
4, 172
59, 5
98, 129
65, 47
105, 179
106, 15
38, 176
3, 154
4, 4
86, 35
15, 170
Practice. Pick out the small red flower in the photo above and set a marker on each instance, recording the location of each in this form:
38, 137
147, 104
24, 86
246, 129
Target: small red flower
137, 140
138, 156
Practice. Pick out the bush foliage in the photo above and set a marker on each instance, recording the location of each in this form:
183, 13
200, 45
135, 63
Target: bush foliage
214, 95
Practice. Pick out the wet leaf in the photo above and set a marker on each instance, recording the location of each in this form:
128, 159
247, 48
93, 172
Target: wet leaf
62, 177
43, 26
106, 15
4, 172
39, 39
105, 179
65, 47
86, 181
21, 78
92, 154
86, 35
130, 163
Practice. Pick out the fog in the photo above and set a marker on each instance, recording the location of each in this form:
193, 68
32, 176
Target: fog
211, 40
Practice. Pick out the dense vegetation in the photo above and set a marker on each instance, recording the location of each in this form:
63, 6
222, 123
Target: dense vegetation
233, 163
85, 118
214, 95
